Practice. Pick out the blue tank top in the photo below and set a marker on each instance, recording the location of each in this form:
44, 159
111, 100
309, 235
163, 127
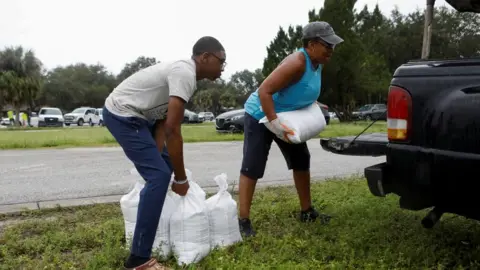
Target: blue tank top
296, 96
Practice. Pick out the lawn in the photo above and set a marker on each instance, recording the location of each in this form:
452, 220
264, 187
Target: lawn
100, 136
366, 232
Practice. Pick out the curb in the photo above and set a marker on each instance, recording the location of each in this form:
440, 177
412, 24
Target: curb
39, 205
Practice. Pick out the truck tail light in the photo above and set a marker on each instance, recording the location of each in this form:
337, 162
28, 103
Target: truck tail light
399, 114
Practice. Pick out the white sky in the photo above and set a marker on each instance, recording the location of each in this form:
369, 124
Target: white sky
114, 32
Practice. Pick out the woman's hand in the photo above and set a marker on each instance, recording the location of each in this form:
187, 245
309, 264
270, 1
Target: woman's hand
281, 130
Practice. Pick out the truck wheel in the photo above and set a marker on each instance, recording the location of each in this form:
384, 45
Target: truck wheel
368, 118
80, 122
100, 123
90, 122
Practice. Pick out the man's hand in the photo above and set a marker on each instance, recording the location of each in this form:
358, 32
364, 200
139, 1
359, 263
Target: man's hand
280, 129
180, 189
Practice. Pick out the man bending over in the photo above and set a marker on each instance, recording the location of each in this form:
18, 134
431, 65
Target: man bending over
157, 95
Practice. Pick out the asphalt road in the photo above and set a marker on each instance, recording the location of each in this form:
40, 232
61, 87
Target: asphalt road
44, 175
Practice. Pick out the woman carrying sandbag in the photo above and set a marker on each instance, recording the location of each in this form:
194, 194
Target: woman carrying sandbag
293, 85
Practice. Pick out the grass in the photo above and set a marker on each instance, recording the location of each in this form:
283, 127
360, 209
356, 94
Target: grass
366, 232
100, 136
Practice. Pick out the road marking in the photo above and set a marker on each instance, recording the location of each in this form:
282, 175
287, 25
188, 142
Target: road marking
23, 168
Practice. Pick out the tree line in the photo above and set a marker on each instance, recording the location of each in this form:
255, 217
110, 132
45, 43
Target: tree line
359, 72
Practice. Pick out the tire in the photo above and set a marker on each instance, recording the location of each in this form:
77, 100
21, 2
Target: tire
80, 122
100, 123
368, 118
67, 124
91, 123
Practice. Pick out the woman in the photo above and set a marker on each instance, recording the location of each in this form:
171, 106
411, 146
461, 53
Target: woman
293, 85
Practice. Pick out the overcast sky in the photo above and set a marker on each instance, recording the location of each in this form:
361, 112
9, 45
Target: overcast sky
114, 32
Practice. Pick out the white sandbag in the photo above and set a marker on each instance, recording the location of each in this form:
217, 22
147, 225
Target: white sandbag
306, 123
189, 226
222, 210
129, 205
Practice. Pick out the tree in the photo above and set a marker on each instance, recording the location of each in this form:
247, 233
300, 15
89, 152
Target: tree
140, 63
245, 82
77, 85
282, 45
215, 96
20, 78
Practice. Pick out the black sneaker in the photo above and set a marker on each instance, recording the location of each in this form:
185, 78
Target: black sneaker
246, 228
311, 215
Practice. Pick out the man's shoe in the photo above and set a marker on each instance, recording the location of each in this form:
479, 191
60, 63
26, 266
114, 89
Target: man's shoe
152, 264
311, 215
246, 228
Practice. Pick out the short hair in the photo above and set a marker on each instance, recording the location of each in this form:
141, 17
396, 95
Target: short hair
207, 44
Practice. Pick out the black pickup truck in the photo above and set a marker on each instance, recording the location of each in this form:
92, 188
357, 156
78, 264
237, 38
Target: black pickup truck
432, 146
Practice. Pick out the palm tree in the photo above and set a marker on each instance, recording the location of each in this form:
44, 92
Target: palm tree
20, 77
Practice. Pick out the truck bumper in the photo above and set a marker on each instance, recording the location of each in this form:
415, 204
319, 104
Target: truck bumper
377, 176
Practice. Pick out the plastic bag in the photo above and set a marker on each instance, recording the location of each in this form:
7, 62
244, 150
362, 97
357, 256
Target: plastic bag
189, 226
222, 210
129, 205
306, 123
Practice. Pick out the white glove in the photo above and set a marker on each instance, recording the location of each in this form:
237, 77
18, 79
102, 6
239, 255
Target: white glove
280, 129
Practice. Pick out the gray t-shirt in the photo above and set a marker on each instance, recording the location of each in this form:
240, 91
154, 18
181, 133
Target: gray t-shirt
145, 94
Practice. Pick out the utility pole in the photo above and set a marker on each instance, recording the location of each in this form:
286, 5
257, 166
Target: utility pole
427, 30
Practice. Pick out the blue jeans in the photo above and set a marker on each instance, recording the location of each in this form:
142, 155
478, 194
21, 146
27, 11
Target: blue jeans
136, 137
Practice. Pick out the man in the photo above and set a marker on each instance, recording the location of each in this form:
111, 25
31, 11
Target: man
10, 117
294, 84
157, 94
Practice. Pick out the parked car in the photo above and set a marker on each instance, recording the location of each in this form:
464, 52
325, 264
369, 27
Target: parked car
80, 116
432, 146
190, 117
231, 121
50, 117
325, 112
5, 121
206, 116
98, 120
371, 112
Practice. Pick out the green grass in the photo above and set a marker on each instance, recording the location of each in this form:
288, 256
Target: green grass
366, 232
99, 136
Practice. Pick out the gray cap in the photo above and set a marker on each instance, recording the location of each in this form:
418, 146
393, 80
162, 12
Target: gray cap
322, 30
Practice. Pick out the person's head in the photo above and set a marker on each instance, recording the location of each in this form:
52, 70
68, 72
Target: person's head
320, 40
210, 57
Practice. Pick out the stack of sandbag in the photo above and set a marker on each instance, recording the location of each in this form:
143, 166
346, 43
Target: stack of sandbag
222, 211
189, 225
306, 123
129, 205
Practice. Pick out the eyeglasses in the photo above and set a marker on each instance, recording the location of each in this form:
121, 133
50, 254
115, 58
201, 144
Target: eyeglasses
326, 44
221, 60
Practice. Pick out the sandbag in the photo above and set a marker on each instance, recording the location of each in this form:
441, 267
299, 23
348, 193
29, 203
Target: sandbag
306, 123
129, 206
222, 210
189, 226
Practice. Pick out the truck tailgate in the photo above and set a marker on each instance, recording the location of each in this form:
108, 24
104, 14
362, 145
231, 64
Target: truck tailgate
374, 144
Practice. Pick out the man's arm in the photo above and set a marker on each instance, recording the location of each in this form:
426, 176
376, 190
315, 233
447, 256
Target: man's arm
181, 83
173, 135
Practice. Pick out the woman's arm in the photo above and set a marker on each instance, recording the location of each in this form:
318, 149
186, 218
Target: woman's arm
289, 71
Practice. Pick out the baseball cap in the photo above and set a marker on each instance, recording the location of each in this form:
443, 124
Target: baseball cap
322, 30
